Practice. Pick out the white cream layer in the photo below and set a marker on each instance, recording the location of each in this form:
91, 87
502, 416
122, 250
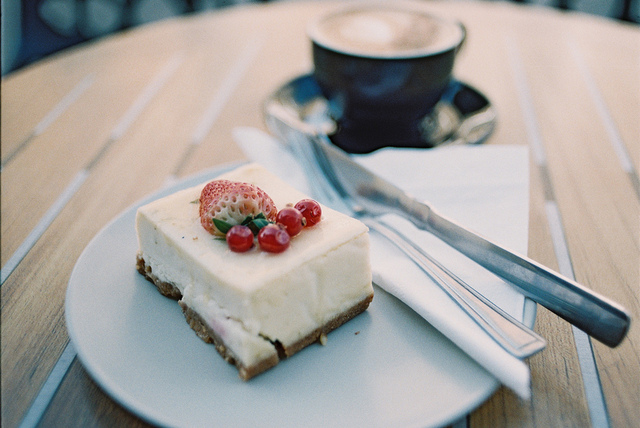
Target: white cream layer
249, 297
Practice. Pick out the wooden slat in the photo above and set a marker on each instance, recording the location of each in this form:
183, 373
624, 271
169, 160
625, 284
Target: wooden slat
597, 203
26, 99
621, 100
36, 179
558, 397
282, 55
38, 284
80, 402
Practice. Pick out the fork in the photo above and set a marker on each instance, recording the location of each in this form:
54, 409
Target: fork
516, 338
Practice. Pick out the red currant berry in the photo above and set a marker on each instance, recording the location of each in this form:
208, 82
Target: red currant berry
311, 210
239, 238
291, 219
273, 239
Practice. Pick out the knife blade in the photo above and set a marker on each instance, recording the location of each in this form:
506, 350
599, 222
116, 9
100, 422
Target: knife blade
365, 192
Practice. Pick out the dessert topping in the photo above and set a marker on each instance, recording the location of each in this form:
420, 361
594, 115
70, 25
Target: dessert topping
238, 212
273, 238
291, 219
225, 203
311, 211
239, 238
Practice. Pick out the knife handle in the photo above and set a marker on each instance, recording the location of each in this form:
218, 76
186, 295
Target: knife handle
597, 316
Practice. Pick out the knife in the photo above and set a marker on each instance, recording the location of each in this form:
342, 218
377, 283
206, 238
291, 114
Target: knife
368, 194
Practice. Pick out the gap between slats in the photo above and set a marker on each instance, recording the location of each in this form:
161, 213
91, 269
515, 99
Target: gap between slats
219, 100
62, 106
615, 139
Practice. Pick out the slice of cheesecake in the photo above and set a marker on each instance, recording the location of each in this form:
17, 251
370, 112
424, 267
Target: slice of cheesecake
256, 307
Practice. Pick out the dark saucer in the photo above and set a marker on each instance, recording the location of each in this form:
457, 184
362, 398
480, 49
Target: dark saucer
462, 116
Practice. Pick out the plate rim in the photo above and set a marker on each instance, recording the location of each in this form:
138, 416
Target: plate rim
141, 409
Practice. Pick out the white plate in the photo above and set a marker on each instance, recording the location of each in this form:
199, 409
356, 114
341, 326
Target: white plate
387, 367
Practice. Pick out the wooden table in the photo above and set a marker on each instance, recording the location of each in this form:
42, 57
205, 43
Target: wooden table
90, 131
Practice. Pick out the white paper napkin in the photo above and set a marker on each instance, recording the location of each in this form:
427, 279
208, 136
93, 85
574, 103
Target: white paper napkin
485, 188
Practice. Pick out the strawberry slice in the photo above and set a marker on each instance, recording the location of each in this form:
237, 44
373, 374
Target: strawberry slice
224, 203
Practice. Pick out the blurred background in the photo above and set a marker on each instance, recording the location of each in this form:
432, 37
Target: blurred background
33, 29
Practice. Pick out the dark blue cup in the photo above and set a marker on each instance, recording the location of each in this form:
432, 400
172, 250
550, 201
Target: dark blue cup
380, 92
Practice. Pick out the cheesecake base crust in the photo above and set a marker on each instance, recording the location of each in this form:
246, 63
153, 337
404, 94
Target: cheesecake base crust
207, 334
165, 288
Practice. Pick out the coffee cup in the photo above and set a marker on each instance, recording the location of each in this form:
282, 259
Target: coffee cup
382, 69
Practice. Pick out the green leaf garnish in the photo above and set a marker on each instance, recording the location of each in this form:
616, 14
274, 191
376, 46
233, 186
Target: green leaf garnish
257, 223
248, 219
221, 225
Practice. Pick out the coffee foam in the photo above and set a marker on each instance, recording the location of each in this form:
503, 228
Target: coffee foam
385, 32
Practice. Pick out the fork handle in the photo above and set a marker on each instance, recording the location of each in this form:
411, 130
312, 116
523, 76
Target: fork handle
511, 334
